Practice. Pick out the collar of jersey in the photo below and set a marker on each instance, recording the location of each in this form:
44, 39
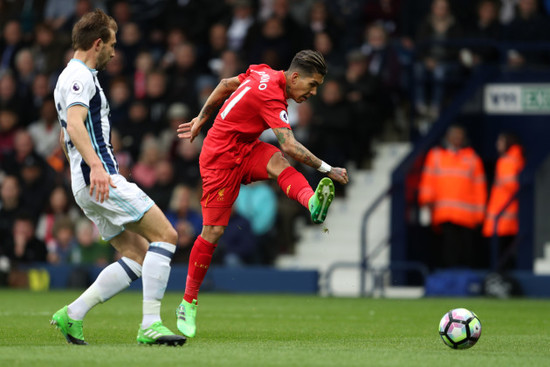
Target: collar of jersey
93, 71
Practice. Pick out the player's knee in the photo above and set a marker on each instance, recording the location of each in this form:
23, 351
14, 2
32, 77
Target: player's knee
277, 164
212, 233
170, 235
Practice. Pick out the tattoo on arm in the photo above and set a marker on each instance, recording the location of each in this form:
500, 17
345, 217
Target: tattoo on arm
296, 150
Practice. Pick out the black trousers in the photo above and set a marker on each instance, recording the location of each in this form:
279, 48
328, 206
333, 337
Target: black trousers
456, 246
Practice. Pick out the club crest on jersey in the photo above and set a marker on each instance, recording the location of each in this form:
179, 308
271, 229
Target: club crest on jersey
284, 116
76, 87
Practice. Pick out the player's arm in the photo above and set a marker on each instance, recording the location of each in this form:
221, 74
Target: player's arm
225, 87
298, 152
99, 178
62, 143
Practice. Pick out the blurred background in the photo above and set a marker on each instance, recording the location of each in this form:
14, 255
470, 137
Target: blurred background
405, 77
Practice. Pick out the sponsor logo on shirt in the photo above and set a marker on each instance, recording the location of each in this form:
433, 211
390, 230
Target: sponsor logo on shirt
76, 87
284, 116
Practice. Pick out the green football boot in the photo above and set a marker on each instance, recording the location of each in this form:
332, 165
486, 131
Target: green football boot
186, 313
71, 329
159, 334
321, 200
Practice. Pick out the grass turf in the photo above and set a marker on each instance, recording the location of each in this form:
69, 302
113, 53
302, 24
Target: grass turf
276, 330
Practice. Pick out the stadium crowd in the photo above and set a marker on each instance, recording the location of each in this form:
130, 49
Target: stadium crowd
172, 53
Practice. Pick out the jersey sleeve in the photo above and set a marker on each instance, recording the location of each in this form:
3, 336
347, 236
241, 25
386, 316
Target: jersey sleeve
243, 76
274, 113
80, 90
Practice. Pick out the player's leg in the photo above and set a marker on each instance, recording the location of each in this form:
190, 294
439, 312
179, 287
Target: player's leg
199, 262
162, 237
296, 187
112, 279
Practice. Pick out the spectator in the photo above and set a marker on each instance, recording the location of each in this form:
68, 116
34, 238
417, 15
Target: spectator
144, 171
25, 73
135, 129
257, 203
23, 147
47, 47
323, 43
157, 99
130, 43
505, 186
45, 131
144, 64
161, 191
242, 20
9, 124
36, 184
486, 28
437, 62
217, 43
25, 247
453, 189
183, 75
60, 204
57, 12
363, 93
527, 25
334, 120
231, 64
320, 20
10, 205
177, 113
10, 44
174, 38
90, 250
8, 95
186, 237
386, 14
120, 99
41, 90
271, 45
383, 63
238, 242
63, 247
186, 162
180, 208
123, 157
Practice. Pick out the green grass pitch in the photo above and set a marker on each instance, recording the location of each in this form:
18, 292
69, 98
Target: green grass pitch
276, 330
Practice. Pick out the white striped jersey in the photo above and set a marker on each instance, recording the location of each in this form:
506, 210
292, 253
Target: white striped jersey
78, 85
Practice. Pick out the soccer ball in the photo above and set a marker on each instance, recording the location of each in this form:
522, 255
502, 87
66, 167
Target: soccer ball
460, 328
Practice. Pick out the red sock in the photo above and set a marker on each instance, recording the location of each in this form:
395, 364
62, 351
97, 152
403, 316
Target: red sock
295, 186
199, 262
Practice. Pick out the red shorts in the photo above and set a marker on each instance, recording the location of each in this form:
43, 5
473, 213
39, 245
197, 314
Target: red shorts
220, 187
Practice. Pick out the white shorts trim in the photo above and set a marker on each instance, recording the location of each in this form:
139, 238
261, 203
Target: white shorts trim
127, 203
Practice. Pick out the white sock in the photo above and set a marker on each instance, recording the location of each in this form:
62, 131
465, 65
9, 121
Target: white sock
156, 270
113, 279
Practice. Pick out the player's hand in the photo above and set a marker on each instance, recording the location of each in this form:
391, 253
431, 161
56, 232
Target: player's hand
100, 180
189, 130
339, 174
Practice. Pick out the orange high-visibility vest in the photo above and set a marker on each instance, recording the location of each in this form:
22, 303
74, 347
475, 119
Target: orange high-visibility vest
505, 186
453, 185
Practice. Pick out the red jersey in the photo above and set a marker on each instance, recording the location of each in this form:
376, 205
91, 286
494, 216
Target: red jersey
258, 104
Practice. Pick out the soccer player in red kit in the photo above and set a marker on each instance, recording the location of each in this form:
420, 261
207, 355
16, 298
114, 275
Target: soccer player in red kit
232, 154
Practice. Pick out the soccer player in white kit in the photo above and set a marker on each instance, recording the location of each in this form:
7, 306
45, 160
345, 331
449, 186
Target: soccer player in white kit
124, 214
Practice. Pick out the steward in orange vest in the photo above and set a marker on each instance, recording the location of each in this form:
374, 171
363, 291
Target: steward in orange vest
505, 186
453, 186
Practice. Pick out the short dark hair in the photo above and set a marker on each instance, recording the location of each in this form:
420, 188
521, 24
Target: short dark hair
309, 62
90, 27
